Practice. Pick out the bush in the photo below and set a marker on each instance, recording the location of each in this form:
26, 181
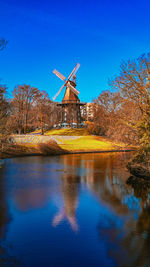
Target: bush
50, 148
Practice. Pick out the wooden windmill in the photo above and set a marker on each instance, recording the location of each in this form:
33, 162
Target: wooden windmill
70, 105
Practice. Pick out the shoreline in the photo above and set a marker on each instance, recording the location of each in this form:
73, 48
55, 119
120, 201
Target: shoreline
30, 145
8, 156
139, 171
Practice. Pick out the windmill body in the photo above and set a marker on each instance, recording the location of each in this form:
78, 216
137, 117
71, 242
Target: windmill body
70, 105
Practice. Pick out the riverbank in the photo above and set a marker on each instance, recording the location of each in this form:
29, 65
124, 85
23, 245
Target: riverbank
139, 170
41, 149
33, 144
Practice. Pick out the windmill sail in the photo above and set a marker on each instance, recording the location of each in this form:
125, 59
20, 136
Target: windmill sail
67, 81
72, 88
76, 67
58, 74
58, 92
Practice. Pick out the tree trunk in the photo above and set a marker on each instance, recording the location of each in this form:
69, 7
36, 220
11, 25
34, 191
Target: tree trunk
42, 131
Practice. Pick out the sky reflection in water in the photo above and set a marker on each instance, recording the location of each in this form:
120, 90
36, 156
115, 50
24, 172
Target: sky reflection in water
73, 210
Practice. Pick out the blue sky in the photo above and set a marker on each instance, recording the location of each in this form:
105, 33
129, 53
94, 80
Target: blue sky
44, 35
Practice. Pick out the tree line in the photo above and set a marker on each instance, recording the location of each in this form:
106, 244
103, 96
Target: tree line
27, 110
123, 112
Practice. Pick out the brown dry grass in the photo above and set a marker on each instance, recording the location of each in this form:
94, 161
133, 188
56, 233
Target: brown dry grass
18, 150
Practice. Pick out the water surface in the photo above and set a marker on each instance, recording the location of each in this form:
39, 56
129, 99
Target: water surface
72, 210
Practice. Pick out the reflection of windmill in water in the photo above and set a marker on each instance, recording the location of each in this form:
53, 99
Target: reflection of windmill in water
70, 105
70, 200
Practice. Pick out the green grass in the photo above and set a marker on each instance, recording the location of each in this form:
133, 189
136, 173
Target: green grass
90, 143
68, 132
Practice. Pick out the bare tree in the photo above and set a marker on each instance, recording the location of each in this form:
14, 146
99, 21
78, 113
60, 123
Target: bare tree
120, 111
42, 111
4, 108
23, 101
132, 81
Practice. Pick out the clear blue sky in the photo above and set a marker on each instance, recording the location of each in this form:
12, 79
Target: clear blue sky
44, 35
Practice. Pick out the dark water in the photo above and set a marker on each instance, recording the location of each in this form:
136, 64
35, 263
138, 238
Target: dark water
72, 210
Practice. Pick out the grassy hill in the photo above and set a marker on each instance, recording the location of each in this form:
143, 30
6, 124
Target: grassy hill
78, 140
68, 132
90, 143
63, 141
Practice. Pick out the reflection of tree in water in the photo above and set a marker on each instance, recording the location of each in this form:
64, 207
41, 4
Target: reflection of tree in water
110, 189
129, 241
107, 182
117, 224
121, 243
31, 197
70, 200
143, 230
6, 259
137, 242
34, 188
142, 191
4, 216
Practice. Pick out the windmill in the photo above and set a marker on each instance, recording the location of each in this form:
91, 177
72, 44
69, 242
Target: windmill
70, 105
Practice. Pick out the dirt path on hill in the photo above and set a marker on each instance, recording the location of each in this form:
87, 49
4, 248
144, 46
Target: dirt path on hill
37, 139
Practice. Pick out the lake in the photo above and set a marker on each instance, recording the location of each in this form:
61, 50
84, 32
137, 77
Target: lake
73, 210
